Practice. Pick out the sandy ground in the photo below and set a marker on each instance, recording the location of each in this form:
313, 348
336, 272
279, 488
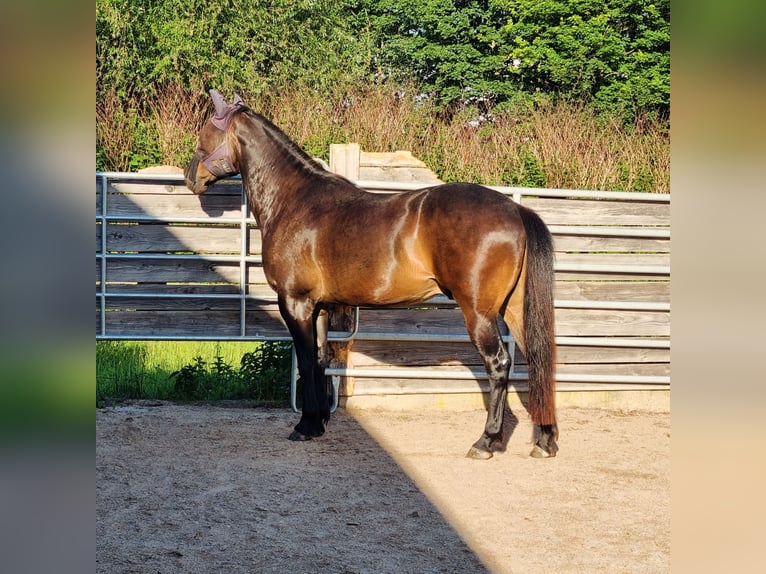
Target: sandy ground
200, 488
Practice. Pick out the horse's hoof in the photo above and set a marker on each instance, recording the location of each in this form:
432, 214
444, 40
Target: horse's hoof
540, 452
298, 436
479, 454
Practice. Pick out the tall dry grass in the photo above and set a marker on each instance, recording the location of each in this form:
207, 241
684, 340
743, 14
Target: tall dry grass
558, 145
177, 118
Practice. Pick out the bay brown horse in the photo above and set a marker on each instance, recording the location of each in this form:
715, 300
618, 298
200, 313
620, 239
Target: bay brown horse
327, 242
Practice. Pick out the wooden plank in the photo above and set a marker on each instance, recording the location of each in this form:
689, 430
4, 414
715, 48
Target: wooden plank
567, 354
174, 206
607, 323
563, 211
651, 369
599, 276
430, 386
613, 259
569, 322
127, 186
633, 291
171, 270
201, 323
413, 354
163, 238
428, 321
187, 288
587, 243
184, 304
140, 270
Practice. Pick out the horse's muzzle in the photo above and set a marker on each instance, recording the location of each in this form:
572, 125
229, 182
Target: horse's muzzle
190, 176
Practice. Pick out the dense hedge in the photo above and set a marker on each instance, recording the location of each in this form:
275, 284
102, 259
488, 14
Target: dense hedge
614, 54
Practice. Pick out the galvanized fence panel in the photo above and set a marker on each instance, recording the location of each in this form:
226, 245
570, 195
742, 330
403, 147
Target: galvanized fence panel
171, 265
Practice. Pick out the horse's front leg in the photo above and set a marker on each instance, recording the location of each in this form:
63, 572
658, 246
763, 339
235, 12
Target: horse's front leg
300, 316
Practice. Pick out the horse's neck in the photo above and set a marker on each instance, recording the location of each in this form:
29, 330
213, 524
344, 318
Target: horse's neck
275, 171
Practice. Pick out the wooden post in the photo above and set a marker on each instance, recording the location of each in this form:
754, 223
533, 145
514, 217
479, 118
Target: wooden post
344, 160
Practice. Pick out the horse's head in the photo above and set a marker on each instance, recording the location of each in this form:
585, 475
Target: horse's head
213, 158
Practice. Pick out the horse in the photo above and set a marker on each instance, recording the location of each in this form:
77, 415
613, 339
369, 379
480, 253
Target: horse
327, 242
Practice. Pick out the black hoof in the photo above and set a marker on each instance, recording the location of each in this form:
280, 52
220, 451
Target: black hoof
298, 437
541, 450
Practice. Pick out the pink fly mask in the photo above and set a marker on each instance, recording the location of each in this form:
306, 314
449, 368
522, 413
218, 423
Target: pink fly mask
219, 162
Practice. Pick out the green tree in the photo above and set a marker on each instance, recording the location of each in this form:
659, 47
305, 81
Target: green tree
614, 53
246, 46
453, 48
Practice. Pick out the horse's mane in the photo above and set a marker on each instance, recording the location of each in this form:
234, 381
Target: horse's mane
295, 153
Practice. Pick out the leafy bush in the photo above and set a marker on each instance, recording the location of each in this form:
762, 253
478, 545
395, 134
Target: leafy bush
264, 376
198, 381
265, 372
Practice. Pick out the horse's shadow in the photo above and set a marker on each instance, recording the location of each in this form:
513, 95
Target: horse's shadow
214, 204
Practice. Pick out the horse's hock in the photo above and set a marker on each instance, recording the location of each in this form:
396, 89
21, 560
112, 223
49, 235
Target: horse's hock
171, 265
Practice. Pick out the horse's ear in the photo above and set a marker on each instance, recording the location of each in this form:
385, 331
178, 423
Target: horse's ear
219, 102
237, 100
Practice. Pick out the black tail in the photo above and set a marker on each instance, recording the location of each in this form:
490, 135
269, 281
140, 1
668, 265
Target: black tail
539, 332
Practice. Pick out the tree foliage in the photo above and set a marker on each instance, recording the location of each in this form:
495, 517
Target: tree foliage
453, 47
612, 53
247, 46
615, 53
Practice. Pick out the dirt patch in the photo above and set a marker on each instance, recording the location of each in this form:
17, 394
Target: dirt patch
209, 489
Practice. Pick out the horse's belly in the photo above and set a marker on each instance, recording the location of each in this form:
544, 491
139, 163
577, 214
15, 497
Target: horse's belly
389, 290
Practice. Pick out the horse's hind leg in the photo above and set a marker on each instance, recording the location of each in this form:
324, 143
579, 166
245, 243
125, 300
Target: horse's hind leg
545, 435
486, 337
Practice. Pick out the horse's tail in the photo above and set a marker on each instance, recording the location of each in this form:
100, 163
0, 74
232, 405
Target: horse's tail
539, 335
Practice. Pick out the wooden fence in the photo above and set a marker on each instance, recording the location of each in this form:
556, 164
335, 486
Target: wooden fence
172, 265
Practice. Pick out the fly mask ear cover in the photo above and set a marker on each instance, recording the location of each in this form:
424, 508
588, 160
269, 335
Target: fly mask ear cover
219, 162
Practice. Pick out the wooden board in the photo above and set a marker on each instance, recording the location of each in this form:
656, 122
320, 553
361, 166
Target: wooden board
631, 291
202, 323
414, 354
174, 206
562, 211
606, 244
164, 238
569, 322
180, 270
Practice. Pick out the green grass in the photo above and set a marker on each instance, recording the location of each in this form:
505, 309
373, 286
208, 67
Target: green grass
193, 370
